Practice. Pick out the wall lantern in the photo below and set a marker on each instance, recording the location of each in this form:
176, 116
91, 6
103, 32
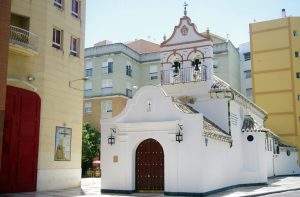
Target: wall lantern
111, 139
206, 141
179, 135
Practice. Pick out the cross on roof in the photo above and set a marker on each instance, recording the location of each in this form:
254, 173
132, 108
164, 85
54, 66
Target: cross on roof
185, 6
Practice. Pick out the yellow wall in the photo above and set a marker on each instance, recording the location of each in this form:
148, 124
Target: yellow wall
52, 70
118, 104
274, 67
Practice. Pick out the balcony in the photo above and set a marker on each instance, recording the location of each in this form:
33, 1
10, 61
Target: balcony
23, 42
185, 82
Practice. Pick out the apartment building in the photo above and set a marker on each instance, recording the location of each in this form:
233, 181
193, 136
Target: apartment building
246, 76
226, 61
116, 71
275, 48
43, 113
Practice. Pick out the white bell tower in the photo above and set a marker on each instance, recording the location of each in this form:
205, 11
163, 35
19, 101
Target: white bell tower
186, 60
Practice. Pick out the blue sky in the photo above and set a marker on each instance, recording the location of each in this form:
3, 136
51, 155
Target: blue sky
126, 20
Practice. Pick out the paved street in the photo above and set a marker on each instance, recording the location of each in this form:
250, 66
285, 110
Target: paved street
91, 187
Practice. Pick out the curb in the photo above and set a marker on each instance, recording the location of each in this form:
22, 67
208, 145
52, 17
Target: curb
274, 192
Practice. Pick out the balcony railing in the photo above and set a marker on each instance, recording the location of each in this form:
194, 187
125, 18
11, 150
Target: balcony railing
23, 38
184, 75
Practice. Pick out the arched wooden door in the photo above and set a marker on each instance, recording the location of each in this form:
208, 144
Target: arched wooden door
20, 141
149, 166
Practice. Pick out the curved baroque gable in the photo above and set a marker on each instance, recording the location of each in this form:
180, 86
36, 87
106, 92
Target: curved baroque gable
185, 32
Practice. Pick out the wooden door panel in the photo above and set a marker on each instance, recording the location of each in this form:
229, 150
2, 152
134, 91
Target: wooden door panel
149, 166
21, 137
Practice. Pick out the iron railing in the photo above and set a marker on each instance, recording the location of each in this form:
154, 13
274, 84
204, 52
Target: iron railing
23, 38
184, 75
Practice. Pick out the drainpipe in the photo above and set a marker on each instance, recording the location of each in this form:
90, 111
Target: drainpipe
4, 42
228, 109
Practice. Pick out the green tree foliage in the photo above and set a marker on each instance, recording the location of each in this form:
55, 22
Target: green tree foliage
90, 146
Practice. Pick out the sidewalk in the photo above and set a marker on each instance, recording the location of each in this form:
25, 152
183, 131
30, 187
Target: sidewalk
91, 187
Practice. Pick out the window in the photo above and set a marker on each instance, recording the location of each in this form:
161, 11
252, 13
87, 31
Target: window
107, 87
298, 75
153, 72
59, 3
89, 72
298, 97
57, 38
110, 67
129, 70
129, 93
88, 86
106, 109
250, 138
295, 33
249, 92
247, 56
107, 67
296, 53
75, 8
87, 107
247, 74
74, 46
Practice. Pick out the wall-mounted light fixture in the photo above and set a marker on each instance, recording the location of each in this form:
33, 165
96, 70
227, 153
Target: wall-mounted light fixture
111, 139
179, 134
30, 78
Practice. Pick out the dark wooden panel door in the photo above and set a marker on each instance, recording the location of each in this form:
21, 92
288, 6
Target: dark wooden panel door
149, 166
21, 138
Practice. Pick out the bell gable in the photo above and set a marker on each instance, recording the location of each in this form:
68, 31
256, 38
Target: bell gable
186, 32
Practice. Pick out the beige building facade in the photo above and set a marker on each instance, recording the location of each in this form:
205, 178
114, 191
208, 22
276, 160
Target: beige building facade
46, 58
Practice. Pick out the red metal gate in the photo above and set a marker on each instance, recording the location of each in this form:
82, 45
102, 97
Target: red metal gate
149, 166
20, 142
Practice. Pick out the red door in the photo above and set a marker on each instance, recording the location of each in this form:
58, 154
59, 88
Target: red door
21, 138
149, 166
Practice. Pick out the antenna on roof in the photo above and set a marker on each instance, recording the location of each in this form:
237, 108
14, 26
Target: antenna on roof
185, 6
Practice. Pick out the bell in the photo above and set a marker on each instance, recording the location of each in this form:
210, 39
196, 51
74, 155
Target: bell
196, 64
176, 67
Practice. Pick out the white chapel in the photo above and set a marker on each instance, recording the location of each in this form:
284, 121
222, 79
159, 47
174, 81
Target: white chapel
193, 134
